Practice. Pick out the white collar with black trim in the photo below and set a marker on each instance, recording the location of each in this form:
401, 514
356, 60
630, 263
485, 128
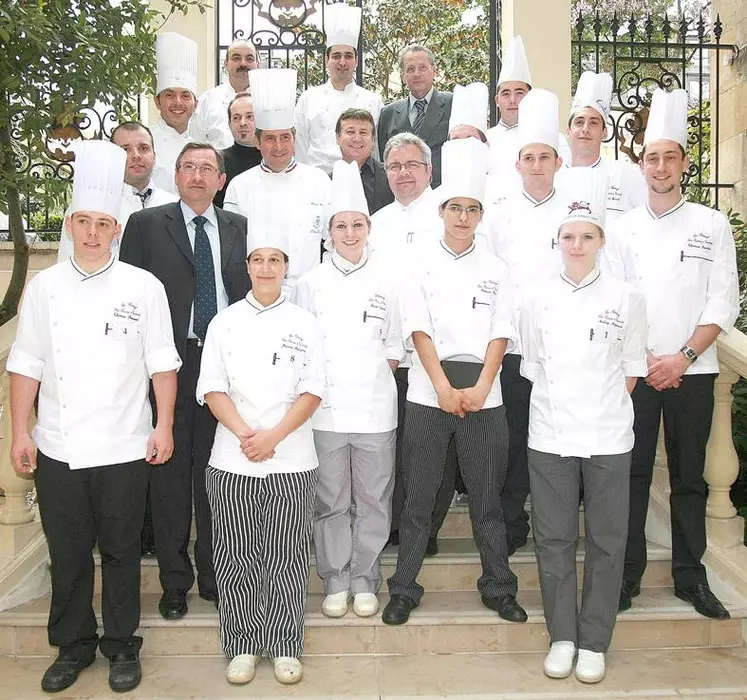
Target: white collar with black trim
592, 277
677, 206
454, 255
90, 275
506, 127
539, 202
593, 165
346, 266
258, 307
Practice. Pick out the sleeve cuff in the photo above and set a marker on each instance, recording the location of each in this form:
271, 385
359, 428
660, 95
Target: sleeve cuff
163, 360
720, 313
395, 352
207, 386
635, 368
20, 362
311, 386
530, 370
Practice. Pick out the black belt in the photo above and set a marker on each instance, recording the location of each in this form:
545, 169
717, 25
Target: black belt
462, 375
195, 342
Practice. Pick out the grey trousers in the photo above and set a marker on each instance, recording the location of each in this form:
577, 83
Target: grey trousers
353, 508
555, 486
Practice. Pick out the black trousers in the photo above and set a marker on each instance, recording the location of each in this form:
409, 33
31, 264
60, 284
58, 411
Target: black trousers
451, 469
688, 411
516, 392
77, 508
173, 484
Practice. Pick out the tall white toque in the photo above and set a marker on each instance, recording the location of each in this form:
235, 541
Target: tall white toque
269, 230
176, 60
594, 90
347, 189
464, 167
342, 24
514, 64
584, 193
98, 181
538, 119
469, 107
274, 97
667, 119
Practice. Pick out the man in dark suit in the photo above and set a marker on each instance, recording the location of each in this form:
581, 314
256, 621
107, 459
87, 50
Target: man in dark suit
424, 112
355, 131
198, 251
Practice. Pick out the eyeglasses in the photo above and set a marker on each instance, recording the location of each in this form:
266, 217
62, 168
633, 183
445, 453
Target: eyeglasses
191, 169
410, 166
458, 210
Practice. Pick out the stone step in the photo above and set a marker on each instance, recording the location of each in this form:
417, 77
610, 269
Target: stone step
696, 674
448, 622
455, 568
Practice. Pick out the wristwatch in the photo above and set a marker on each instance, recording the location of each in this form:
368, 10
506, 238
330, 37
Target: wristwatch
689, 353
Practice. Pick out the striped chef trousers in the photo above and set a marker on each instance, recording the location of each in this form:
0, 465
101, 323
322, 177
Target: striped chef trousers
261, 550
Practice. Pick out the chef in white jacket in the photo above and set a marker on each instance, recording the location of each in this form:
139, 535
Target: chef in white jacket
681, 256
294, 196
320, 107
587, 128
93, 333
262, 377
176, 99
583, 338
354, 297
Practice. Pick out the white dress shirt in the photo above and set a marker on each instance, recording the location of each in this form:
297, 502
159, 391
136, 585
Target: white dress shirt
462, 302
684, 263
298, 199
209, 123
263, 358
93, 341
412, 112
317, 112
580, 342
168, 144
358, 313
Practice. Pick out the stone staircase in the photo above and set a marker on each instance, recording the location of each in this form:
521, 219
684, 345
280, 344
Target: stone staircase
452, 645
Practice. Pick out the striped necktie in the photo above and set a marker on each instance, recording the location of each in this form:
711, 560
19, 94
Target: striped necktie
206, 305
420, 105
144, 195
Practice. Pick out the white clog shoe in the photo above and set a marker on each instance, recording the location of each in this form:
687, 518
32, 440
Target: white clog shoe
365, 604
241, 669
559, 660
336, 604
288, 670
590, 666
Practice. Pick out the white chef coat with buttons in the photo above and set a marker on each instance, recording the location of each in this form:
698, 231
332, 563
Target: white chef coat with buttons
462, 302
263, 358
684, 263
210, 120
302, 197
358, 312
168, 144
317, 111
93, 341
579, 344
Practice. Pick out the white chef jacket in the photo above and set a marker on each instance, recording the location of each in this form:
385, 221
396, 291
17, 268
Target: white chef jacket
358, 312
301, 196
317, 111
462, 302
210, 120
93, 341
397, 225
263, 358
684, 263
626, 189
168, 144
130, 203
580, 342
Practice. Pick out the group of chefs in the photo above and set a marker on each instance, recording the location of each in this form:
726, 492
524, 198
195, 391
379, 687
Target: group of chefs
323, 357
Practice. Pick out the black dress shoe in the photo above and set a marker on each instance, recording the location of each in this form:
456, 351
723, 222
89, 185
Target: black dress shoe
398, 609
173, 605
124, 672
393, 540
702, 599
431, 549
210, 596
628, 591
63, 673
506, 607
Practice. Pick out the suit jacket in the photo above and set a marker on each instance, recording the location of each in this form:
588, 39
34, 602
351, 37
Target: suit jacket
156, 240
395, 118
375, 185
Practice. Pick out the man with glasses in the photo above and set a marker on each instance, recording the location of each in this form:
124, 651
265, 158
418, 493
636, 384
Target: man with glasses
199, 253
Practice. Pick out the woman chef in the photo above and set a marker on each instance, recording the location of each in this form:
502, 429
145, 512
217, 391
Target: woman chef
262, 377
353, 297
583, 338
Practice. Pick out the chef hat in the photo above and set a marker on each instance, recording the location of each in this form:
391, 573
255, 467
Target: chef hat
667, 118
347, 189
98, 180
464, 167
514, 64
274, 96
269, 229
342, 24
538, 119
584, 192
594, 90
176, 58
469, 107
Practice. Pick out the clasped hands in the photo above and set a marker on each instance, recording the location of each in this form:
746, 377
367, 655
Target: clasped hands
460, 402
258, 445
665, 372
